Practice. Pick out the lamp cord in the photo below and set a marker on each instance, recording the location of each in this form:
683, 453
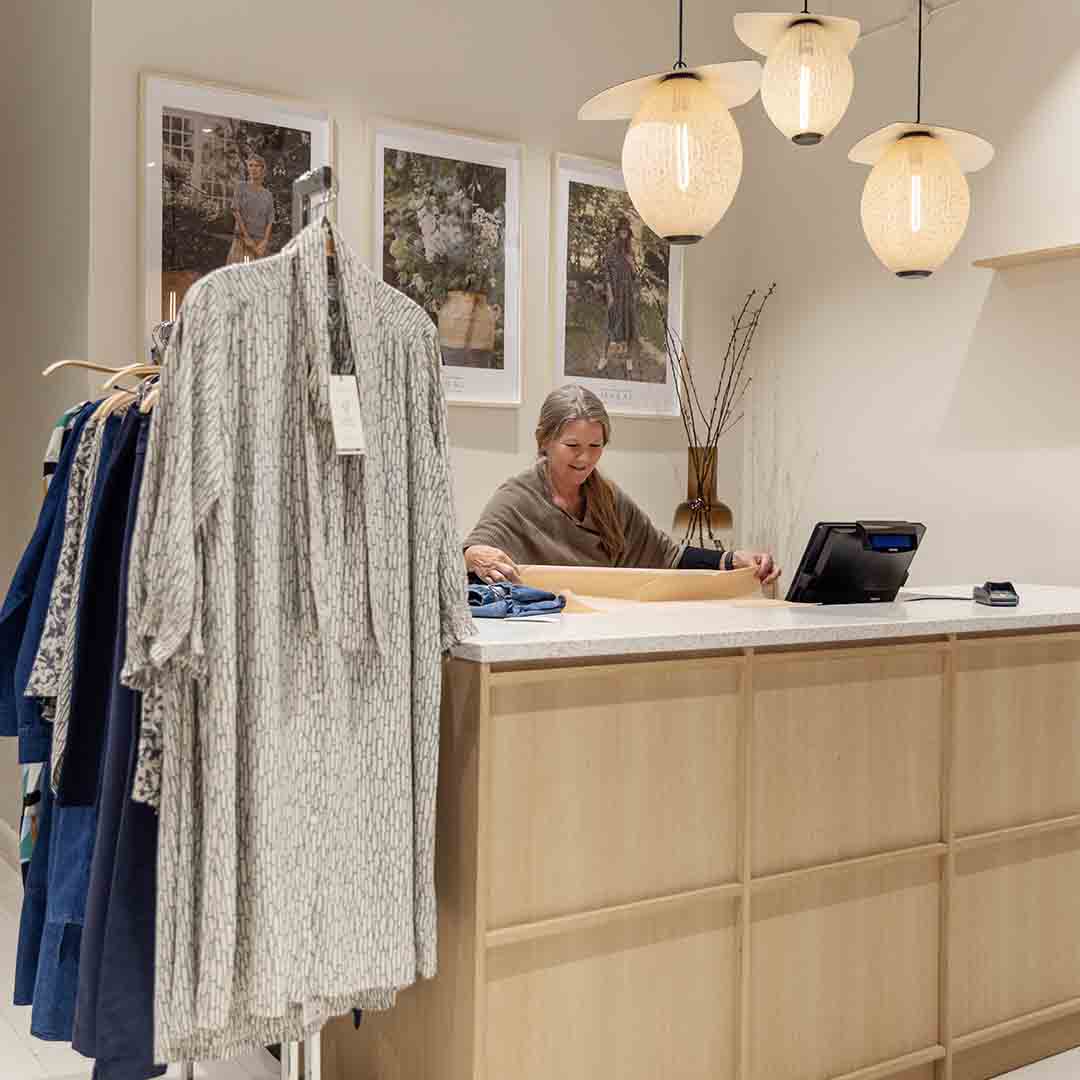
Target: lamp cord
918, 77
680, 63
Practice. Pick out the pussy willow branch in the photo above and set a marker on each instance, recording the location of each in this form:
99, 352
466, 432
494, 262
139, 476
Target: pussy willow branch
731, 387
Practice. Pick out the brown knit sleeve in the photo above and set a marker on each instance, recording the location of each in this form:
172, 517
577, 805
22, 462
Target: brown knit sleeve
646, 546
502, 525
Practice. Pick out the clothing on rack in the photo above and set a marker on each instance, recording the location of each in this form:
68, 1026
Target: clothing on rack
114, 1016
276, 609
222, 655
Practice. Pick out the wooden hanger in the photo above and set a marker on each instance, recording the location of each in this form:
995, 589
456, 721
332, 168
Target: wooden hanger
113, 403
89, 365
150, 400
131, 371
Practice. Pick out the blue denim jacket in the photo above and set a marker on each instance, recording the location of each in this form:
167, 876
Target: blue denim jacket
23, 615
501, 601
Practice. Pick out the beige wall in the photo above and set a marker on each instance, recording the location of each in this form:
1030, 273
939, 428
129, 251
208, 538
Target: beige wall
44, 84
952, 401
517, 71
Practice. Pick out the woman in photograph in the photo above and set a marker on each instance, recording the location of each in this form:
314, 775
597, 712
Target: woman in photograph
253, 213
622, 295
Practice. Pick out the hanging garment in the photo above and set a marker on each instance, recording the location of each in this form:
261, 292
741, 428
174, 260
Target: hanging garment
95, 621
21, 621
113, 1014
26, 607
57, 440
297, 710
54, 666
73, 828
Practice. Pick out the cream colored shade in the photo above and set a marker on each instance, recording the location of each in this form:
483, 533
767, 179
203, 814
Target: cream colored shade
807, 84
682, 159
915, 206
734, 82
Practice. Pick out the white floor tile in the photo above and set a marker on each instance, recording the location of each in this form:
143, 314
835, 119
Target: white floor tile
16, 1060
1062, 1067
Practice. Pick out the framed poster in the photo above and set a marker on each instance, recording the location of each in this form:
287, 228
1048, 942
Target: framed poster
615, 280
217, 171
447, 234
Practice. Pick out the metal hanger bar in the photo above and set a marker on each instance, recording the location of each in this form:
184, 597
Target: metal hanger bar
290, 1061
313, 1057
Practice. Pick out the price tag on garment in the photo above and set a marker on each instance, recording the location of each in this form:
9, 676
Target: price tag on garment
346, 415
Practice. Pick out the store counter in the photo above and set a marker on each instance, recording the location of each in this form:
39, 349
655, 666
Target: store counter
752, 841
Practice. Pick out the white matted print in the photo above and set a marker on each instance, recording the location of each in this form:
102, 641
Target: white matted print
218, 166
615, 280
447, 234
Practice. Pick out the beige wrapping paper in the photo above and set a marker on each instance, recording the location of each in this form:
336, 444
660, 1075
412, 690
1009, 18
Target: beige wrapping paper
642, 585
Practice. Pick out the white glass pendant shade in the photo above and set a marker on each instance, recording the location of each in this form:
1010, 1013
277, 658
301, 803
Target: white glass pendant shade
807, 83
682, 159
915, 206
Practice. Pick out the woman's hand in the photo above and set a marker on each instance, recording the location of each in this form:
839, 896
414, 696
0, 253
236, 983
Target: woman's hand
762, 562
490, 564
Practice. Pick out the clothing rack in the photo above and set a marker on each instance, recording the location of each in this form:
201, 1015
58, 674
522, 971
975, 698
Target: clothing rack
313, 184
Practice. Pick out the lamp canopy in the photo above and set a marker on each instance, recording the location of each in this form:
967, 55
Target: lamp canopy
734, 83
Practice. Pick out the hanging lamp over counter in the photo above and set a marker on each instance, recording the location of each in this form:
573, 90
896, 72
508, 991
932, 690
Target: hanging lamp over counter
916, 202
808, 79
682, 155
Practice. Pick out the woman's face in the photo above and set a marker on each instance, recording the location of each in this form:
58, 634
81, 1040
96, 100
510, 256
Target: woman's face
256, 171
574, 452
623, 233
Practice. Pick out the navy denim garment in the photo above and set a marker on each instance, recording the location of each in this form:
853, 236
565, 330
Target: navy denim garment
22, 617
501, 601
32, 918
71, 845
22, 715
95, 635
114, 1019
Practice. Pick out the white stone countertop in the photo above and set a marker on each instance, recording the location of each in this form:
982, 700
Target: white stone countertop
625, 628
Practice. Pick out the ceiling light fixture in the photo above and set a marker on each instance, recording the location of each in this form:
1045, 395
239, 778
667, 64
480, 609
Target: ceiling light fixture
682, 155
916, 202
808, 79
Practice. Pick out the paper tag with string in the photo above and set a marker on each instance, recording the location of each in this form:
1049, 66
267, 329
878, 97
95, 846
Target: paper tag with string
346, 415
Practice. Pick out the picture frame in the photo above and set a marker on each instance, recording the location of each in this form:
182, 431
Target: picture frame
199, 150
609, 335
447, 225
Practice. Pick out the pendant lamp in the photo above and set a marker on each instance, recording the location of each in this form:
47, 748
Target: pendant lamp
682, 155
808, 79
916, 202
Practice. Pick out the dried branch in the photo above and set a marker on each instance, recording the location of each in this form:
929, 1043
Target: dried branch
731, 387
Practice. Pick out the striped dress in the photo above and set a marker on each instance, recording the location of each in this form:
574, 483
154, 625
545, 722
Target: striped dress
288, 610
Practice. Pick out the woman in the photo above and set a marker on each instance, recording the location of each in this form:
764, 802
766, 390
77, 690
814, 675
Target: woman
621, 288
253, 214
562, 512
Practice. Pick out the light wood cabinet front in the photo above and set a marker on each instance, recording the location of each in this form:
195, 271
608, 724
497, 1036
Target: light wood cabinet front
855, 863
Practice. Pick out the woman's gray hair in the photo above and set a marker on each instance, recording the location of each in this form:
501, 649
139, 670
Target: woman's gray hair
564, 406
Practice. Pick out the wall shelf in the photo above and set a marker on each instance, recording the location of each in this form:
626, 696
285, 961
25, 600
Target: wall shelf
1028, 258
